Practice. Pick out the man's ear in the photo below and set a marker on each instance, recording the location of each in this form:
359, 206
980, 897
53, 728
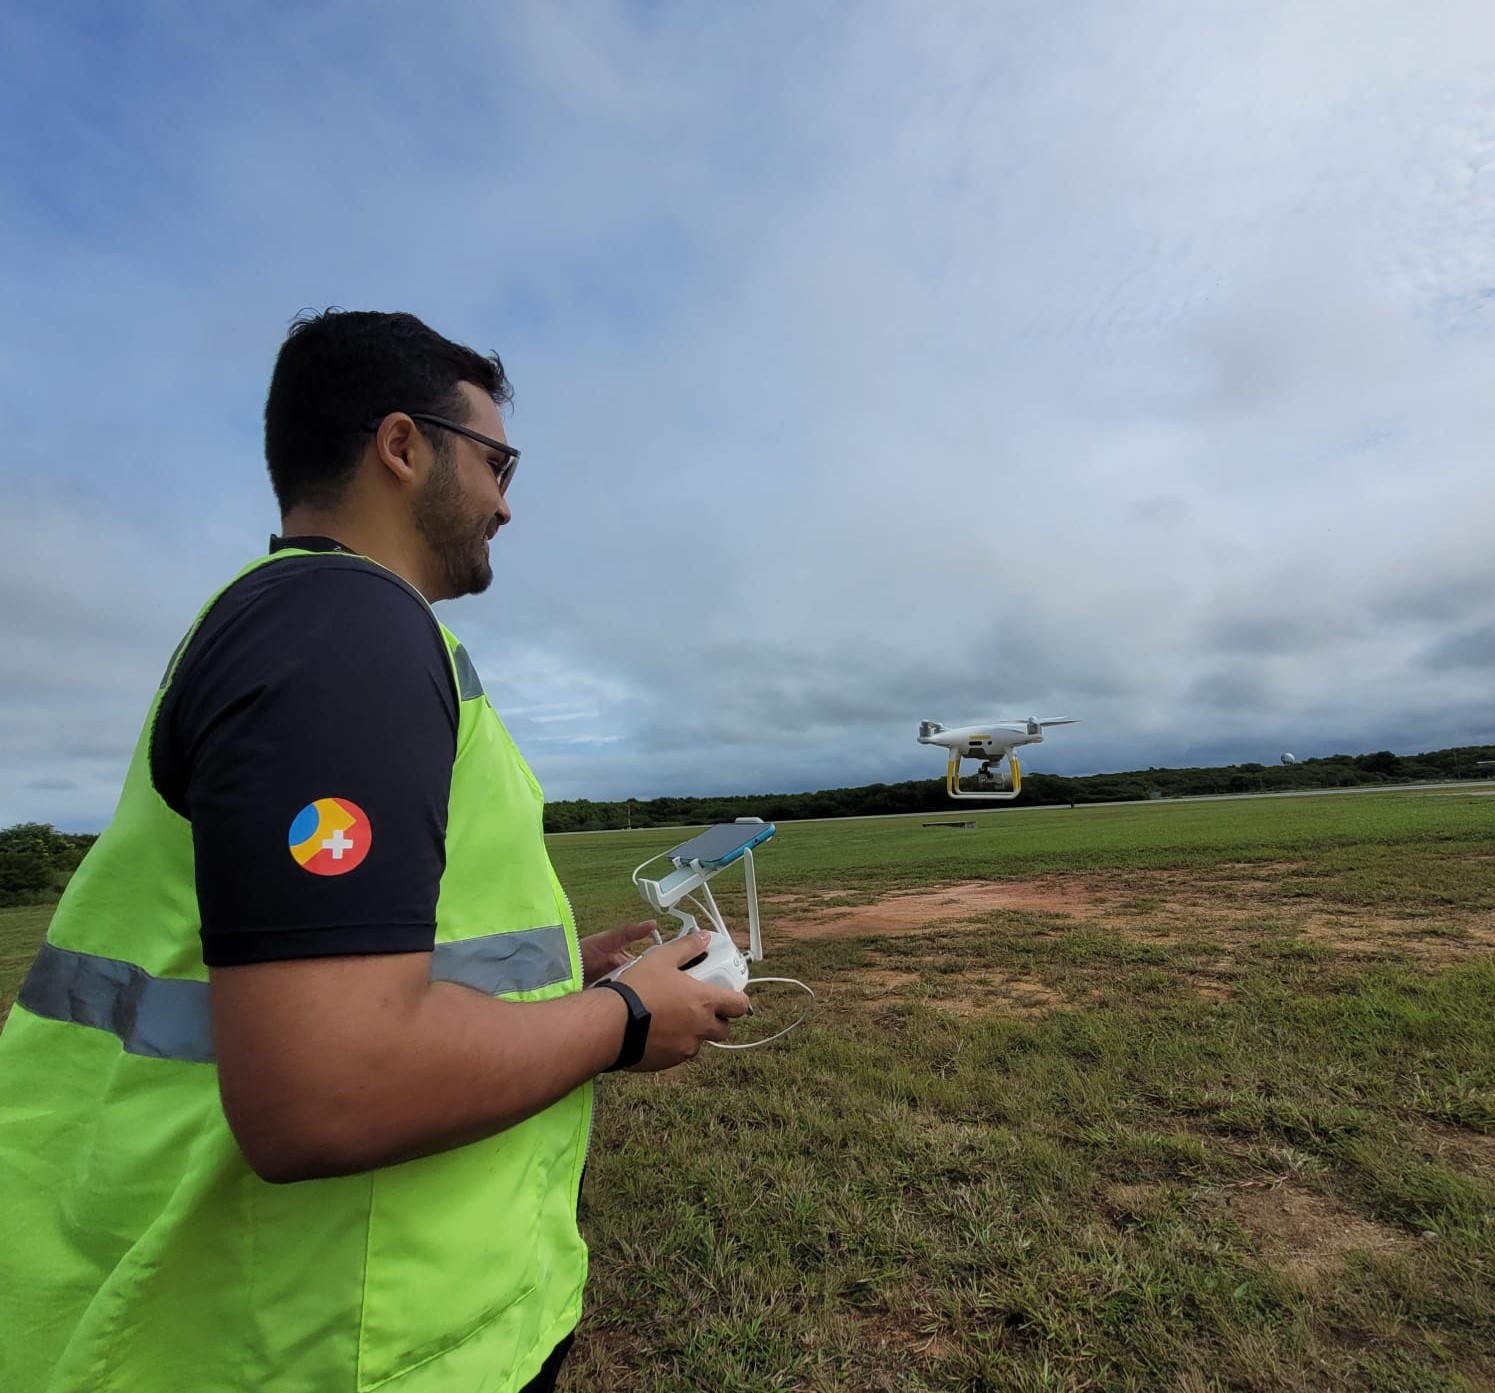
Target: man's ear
397, 446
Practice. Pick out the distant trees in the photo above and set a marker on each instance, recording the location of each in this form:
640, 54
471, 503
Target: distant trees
928, 795
36, 861
23, 879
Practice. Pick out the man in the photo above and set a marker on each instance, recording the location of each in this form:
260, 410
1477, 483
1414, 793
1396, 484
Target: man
321, 942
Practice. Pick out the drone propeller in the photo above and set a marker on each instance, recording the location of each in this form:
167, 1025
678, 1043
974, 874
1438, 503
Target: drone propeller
1032, 725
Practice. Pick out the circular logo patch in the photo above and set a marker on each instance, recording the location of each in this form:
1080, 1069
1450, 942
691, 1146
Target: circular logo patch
330, 836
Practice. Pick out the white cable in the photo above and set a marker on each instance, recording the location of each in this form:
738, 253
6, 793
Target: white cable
658, 856
768, 1040
716, 919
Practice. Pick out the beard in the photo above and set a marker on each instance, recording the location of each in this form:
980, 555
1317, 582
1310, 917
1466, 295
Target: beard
456, 534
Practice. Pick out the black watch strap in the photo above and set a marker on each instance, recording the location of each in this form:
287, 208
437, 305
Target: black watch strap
637, 1031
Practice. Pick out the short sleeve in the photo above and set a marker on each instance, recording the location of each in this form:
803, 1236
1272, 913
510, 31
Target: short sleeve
309, 738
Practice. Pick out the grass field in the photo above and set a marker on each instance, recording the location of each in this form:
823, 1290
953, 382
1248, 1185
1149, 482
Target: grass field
1178, 1096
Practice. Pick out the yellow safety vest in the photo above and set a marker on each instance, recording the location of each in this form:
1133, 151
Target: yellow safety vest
142, 1255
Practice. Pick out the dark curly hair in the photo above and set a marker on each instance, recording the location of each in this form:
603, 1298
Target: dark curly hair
341, 370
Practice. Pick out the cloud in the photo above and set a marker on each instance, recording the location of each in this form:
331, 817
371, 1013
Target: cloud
873, 364
1470, 649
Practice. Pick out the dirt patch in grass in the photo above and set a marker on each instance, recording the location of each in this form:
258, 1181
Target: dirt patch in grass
917, 911
995, 992
886, 1333
966, 995
782, 897
1232, 907
1308, 1234
1459, 1148
882, 982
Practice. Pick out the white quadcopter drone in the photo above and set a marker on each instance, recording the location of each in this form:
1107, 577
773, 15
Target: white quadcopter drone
995, 745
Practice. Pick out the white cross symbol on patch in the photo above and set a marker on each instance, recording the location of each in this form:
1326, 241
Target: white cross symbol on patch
337, 844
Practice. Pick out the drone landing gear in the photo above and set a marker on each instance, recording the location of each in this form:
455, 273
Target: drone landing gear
1007, 787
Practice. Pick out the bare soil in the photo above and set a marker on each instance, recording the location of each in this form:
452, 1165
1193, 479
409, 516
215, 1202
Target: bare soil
1462, 1148
913, 913
1309, 1234
998, 991
1161, 907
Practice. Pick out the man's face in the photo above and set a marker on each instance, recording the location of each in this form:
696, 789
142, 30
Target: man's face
460, 508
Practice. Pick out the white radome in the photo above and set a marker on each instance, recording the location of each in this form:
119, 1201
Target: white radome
1289, 759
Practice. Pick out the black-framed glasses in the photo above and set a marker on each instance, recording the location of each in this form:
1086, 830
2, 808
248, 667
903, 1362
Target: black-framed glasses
503, 472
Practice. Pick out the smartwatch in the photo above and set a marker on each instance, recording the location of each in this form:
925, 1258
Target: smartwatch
637, 1031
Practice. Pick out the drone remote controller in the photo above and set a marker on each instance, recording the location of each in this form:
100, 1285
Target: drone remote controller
693, 864
722, 964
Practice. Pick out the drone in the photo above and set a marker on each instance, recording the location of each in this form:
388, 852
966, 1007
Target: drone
995, 745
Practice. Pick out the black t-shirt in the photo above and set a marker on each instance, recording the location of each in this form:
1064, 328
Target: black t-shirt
308, 736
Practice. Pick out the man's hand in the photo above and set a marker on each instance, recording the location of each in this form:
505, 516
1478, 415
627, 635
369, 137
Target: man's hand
685, 1011
602, 952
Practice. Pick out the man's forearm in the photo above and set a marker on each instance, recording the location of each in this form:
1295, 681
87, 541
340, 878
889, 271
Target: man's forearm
438, 1065
471, 1066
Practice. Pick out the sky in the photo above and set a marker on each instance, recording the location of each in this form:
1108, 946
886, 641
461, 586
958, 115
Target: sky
874, 362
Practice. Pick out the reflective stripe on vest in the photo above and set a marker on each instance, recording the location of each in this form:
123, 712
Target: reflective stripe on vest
162, 1017
168, 1018
469, 684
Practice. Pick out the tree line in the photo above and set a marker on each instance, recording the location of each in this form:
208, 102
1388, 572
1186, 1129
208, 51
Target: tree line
1038, 790
36, 859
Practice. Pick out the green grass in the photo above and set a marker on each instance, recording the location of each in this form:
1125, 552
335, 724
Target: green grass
1030, 1153
1232, 1129
20, 932
1379, 847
